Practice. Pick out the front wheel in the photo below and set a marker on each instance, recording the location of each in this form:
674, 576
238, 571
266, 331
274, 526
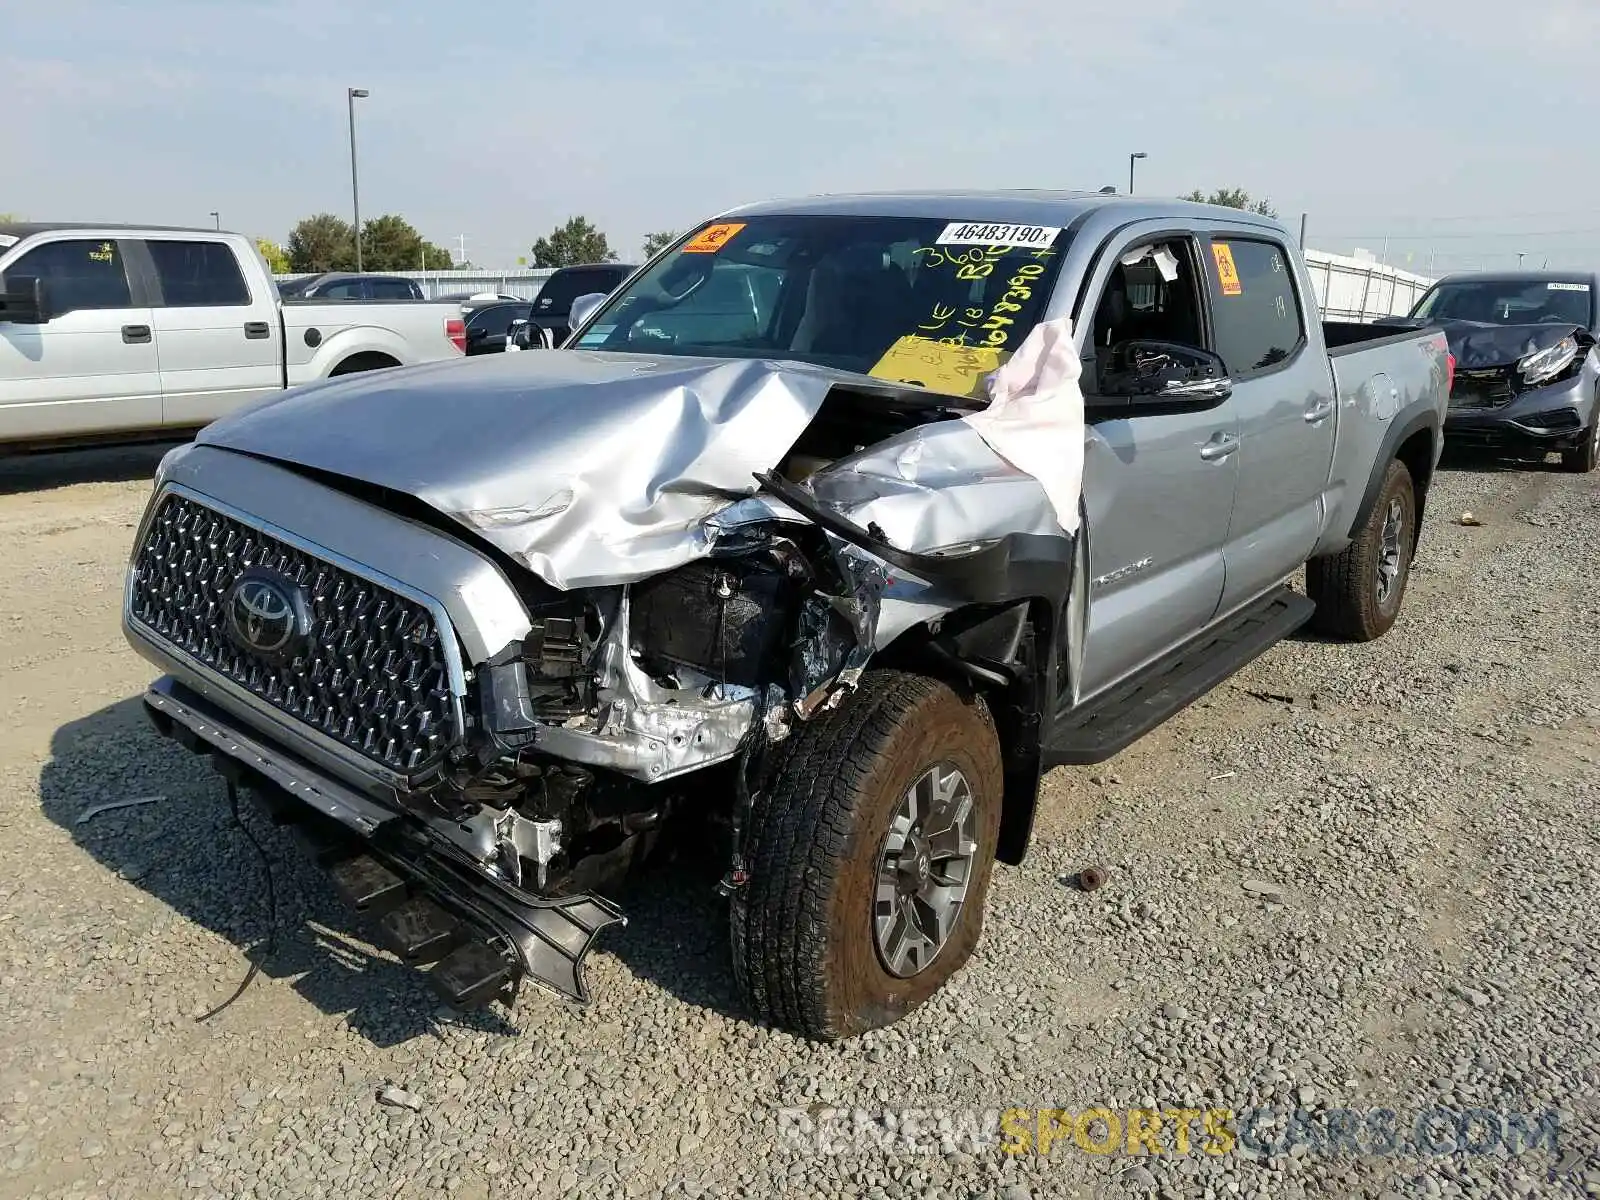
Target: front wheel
869, 851
1358, 591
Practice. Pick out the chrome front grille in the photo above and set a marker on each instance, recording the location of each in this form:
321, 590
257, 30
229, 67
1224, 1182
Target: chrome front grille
372, 671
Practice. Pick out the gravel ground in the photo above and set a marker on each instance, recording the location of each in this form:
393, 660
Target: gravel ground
1353, 878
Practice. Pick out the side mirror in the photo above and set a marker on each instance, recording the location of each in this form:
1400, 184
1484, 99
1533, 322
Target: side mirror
1141, 373
584, 307
26, 301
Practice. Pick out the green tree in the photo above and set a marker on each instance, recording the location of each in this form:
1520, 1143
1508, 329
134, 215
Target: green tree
392, 243
1234, 198
322, 243
654, 243
12, 218
277, 258
578, 241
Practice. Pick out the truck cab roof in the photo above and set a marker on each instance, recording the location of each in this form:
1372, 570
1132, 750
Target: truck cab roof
1016, 206
26, 229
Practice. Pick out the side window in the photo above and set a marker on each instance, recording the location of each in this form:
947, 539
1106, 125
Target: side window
496, 321
1257, 314
79, 274
392, 289
1151, 295
349, 289
198, 274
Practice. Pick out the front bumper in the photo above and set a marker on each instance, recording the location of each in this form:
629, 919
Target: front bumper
1556, 417
434, 906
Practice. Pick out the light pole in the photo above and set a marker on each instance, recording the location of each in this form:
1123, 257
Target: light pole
1133, 158
351, 96
217, 217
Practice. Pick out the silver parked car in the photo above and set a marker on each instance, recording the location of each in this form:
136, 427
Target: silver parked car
831, 530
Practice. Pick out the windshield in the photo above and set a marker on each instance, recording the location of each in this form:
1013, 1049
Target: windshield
1509, 302
926, 301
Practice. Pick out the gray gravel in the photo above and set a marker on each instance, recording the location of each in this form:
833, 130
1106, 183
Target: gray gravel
1354, 877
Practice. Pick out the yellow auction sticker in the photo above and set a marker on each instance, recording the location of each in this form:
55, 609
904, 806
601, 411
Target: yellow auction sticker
939, 366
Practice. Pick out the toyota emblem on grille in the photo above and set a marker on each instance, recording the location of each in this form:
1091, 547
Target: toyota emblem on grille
267, 614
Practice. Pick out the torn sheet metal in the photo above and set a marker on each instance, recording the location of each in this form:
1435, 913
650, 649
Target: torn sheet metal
595, 468
588, 467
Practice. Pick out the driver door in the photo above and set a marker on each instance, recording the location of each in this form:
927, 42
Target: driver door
1159, 473
92, 367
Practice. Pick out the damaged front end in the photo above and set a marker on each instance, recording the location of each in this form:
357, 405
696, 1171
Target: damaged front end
589, 641
585, 730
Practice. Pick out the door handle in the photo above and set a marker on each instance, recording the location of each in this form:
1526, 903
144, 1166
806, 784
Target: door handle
136, 335
1320, 413
1219, 447
257, 329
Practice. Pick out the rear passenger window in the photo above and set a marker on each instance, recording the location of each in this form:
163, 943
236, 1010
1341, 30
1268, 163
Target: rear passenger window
1258, 318
198, 274
392, 289
78, 274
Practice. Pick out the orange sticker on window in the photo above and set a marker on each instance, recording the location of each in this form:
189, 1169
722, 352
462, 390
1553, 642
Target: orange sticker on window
711, 239
1227, 273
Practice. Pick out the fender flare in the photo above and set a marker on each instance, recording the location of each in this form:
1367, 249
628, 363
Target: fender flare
1407, 423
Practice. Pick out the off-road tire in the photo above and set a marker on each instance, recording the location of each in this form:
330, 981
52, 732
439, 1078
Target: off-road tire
1344, 585
1584, 458
804, 952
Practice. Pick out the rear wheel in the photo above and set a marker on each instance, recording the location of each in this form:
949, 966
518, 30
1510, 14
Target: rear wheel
1583, 459
1358, 591
869, 851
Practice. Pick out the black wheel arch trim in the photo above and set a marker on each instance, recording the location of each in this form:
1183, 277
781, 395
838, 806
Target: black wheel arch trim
1032, 570
1417, 418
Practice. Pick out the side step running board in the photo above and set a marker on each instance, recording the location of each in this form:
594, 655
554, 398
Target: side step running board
1110, 724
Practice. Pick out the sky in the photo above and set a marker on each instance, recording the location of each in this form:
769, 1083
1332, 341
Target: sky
1439, 134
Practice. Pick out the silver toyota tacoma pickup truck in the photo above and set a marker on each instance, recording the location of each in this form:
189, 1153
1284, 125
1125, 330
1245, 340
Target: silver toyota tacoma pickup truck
743, 556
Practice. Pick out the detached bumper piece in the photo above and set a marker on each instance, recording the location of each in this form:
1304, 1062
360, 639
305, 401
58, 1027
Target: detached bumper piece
431, 908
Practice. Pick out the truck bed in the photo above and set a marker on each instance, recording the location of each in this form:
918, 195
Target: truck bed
1388, 384
1343, 337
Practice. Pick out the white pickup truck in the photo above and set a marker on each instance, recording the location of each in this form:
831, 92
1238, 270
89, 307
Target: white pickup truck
116, 332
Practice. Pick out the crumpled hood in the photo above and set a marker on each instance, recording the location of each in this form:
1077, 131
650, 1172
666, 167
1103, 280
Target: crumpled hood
587, 466
1480, 345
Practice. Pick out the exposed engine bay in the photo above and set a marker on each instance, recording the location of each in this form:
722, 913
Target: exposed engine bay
638, 617
645, 683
